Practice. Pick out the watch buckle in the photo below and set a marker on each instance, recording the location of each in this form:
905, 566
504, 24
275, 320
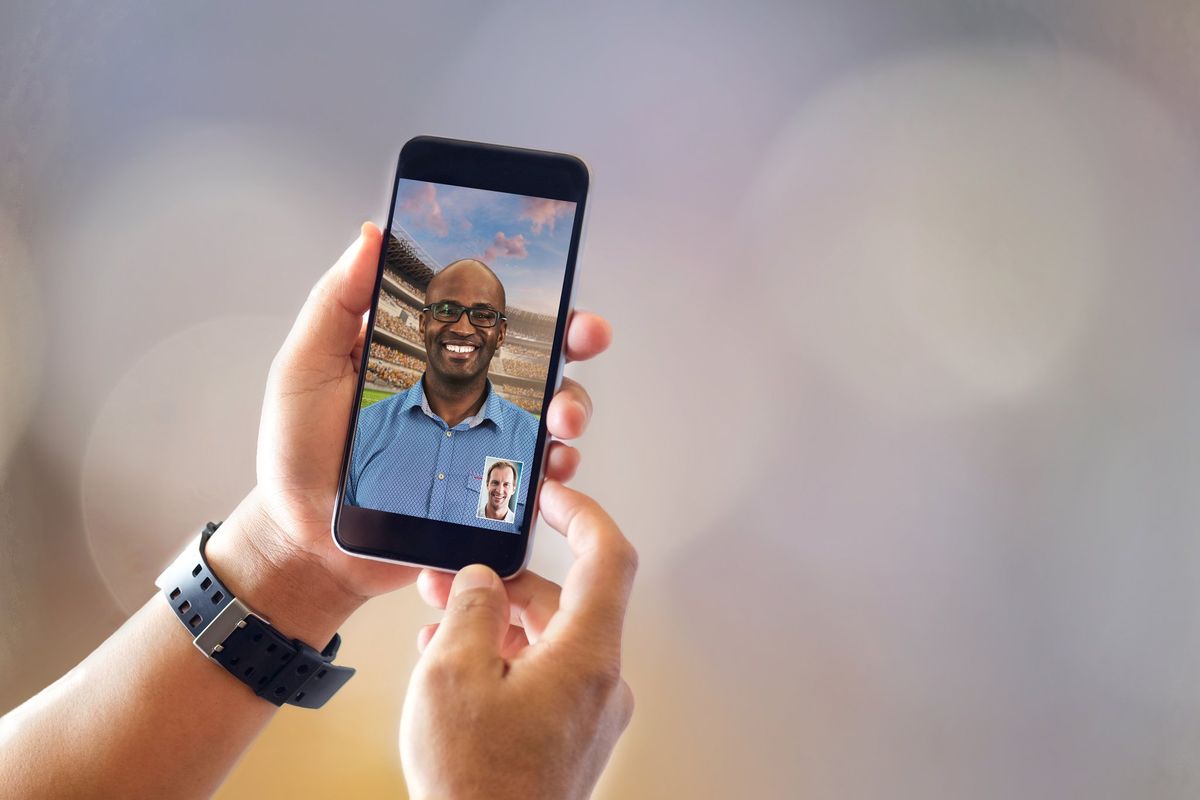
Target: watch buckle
211, 640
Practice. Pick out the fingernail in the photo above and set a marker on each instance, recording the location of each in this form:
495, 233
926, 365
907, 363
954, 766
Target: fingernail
476, 576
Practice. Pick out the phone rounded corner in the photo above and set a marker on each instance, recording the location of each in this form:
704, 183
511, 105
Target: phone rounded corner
335, 535
415, 143
584, 168
524, 562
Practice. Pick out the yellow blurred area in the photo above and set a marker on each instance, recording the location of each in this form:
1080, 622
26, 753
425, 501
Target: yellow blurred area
349, 748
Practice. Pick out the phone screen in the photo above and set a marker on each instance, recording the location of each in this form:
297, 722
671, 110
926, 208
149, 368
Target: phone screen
459, 355
463, 352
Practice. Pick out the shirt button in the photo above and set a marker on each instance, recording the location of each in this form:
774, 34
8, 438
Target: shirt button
449, 433
441, 476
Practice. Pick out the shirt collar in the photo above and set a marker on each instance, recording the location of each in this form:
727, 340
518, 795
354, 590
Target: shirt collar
490, 410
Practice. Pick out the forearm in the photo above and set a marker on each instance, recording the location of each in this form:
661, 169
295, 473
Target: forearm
144, 715
147, 714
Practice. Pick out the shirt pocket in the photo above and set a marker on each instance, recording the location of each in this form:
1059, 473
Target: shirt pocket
473, 484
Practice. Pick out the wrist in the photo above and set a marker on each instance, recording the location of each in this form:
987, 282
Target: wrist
283, 583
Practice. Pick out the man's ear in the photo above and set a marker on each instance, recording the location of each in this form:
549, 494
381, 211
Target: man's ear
421, 324
503, 329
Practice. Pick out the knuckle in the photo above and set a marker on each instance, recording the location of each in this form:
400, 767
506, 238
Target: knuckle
627, 705
473, 602
628, 555
603, 678
585, 400
590, 670
318, 295
444, 673
601, 692
279, 363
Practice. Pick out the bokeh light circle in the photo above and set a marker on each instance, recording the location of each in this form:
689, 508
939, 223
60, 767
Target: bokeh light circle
173, 447
939, 228
197, 252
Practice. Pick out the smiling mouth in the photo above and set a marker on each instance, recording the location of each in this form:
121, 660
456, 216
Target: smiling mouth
461, 349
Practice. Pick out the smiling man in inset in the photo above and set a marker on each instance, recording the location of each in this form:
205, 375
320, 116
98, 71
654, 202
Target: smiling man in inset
498, 486
414, 453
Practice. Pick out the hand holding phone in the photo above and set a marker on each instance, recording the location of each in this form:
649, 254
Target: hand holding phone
518, 692
274, 553
312, 383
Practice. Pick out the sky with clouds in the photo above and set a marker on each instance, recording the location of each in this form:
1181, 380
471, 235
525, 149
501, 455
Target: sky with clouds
523, 239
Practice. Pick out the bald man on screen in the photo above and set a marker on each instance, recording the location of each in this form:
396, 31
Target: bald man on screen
419, 452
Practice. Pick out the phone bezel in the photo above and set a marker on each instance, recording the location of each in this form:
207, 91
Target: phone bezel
448, 546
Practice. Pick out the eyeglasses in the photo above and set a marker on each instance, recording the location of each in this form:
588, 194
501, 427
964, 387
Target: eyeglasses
452, 312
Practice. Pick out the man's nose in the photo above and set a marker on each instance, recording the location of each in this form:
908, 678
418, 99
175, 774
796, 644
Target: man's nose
463, 327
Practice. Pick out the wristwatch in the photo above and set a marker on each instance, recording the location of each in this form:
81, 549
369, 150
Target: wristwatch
277, 669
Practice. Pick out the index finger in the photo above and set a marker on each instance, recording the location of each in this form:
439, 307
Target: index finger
596, 590
588, 335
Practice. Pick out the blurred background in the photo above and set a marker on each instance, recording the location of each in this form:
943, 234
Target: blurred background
906, 310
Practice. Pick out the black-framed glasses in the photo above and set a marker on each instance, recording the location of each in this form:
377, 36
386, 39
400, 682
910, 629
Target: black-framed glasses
446, 311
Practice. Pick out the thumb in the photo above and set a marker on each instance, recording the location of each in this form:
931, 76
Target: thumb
330, 322
476, 618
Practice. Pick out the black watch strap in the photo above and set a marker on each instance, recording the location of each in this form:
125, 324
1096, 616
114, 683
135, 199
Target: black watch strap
277, 669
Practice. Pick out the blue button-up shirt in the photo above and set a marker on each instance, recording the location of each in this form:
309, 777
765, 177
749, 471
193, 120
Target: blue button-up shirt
408, 461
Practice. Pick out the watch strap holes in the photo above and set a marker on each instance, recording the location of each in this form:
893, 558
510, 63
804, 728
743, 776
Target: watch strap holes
274, 667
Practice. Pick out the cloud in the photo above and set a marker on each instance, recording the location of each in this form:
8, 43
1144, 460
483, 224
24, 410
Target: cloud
504, 247
422, 205
543, 213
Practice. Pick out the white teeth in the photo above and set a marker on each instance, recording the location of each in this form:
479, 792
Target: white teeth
461, 348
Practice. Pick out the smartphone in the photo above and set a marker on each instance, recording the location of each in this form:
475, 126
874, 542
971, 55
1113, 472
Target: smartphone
447, 438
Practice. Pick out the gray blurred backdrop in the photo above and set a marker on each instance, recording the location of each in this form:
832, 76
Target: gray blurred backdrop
901, 410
